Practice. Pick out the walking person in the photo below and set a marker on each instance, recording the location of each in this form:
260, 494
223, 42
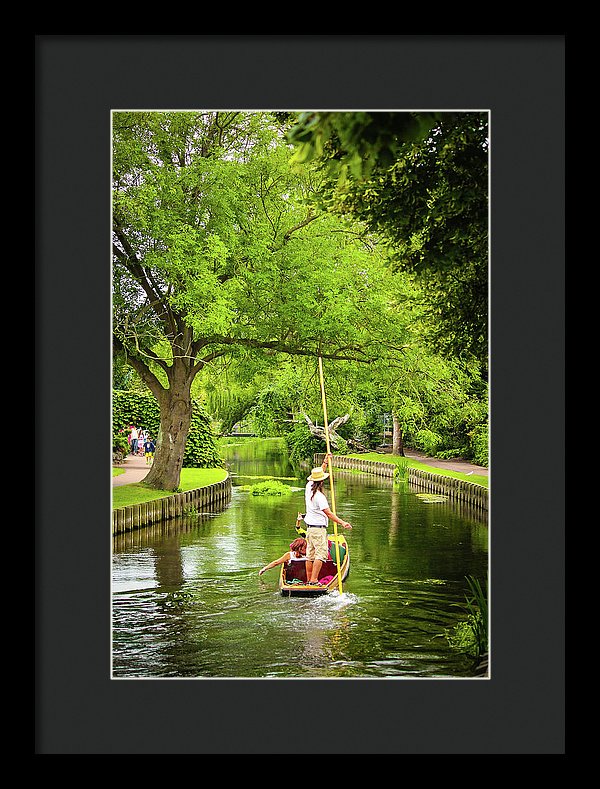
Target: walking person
134, 436
317, 518
149, 447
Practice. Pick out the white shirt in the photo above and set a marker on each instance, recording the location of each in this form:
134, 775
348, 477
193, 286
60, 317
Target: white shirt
314, 507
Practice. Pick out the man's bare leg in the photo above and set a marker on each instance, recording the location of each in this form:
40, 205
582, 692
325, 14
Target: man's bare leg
316, 568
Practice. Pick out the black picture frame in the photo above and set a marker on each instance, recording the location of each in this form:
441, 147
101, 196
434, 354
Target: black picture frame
78, 81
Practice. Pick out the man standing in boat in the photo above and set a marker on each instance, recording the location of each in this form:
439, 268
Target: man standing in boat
317, 518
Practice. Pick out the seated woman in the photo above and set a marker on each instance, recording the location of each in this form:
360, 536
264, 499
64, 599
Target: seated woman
297, 553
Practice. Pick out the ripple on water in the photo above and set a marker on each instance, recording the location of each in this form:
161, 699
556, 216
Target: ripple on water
190, 603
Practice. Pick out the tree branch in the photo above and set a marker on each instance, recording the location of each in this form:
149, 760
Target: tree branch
141, 275
310, 218
346, 353
201, 363
142, 369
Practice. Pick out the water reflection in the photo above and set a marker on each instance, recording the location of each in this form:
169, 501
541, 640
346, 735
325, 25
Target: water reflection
188, 601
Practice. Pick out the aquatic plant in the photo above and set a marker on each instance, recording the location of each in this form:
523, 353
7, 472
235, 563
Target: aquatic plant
271, 487
431, 498
471, 635
401, 470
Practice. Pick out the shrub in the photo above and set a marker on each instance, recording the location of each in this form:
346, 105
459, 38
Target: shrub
120, 444
448, 454
131, 407
301, 443
480, 445
427, 441
271, 487
201, 445
471, 635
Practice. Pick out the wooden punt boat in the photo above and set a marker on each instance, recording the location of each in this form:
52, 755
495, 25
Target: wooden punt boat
292, 577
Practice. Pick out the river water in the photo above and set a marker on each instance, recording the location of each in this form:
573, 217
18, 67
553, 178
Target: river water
187, 600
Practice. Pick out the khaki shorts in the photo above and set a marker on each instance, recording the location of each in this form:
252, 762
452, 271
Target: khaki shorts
316, 543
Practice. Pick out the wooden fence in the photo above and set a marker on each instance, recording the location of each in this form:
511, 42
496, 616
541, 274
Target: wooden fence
137, 516
354, 464
476, 496
469, 493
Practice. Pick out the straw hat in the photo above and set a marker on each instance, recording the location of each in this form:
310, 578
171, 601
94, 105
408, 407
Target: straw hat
317, 475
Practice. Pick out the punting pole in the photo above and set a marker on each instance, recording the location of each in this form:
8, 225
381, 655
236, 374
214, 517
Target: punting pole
326, 420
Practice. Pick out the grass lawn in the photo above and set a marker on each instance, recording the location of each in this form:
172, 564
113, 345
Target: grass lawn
478, 479
117, 471
191, 478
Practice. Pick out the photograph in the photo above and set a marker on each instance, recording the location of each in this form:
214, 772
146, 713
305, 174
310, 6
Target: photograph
300, 408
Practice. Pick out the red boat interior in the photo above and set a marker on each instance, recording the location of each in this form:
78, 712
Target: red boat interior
298, 570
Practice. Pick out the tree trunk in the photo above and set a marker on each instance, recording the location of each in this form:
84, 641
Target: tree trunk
397, 444
175, 418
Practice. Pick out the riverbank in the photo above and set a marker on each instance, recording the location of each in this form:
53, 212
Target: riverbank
452, 485
127, 489
134, 469
456, 467
135, 506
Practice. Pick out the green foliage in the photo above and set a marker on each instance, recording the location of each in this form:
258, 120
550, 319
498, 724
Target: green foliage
462, 637
230, 405
201, 446
120, 444
269, 413
226, 237
141, 409
270, 487
401, 470
471, 635
479, 444
427, 440
448, 454
354, 143
302, 445
438, 403
122, 374
367, 427
134, 408
421, 180
341, 447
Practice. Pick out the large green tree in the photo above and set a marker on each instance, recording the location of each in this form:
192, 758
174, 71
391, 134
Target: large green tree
218, 247
421, 180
